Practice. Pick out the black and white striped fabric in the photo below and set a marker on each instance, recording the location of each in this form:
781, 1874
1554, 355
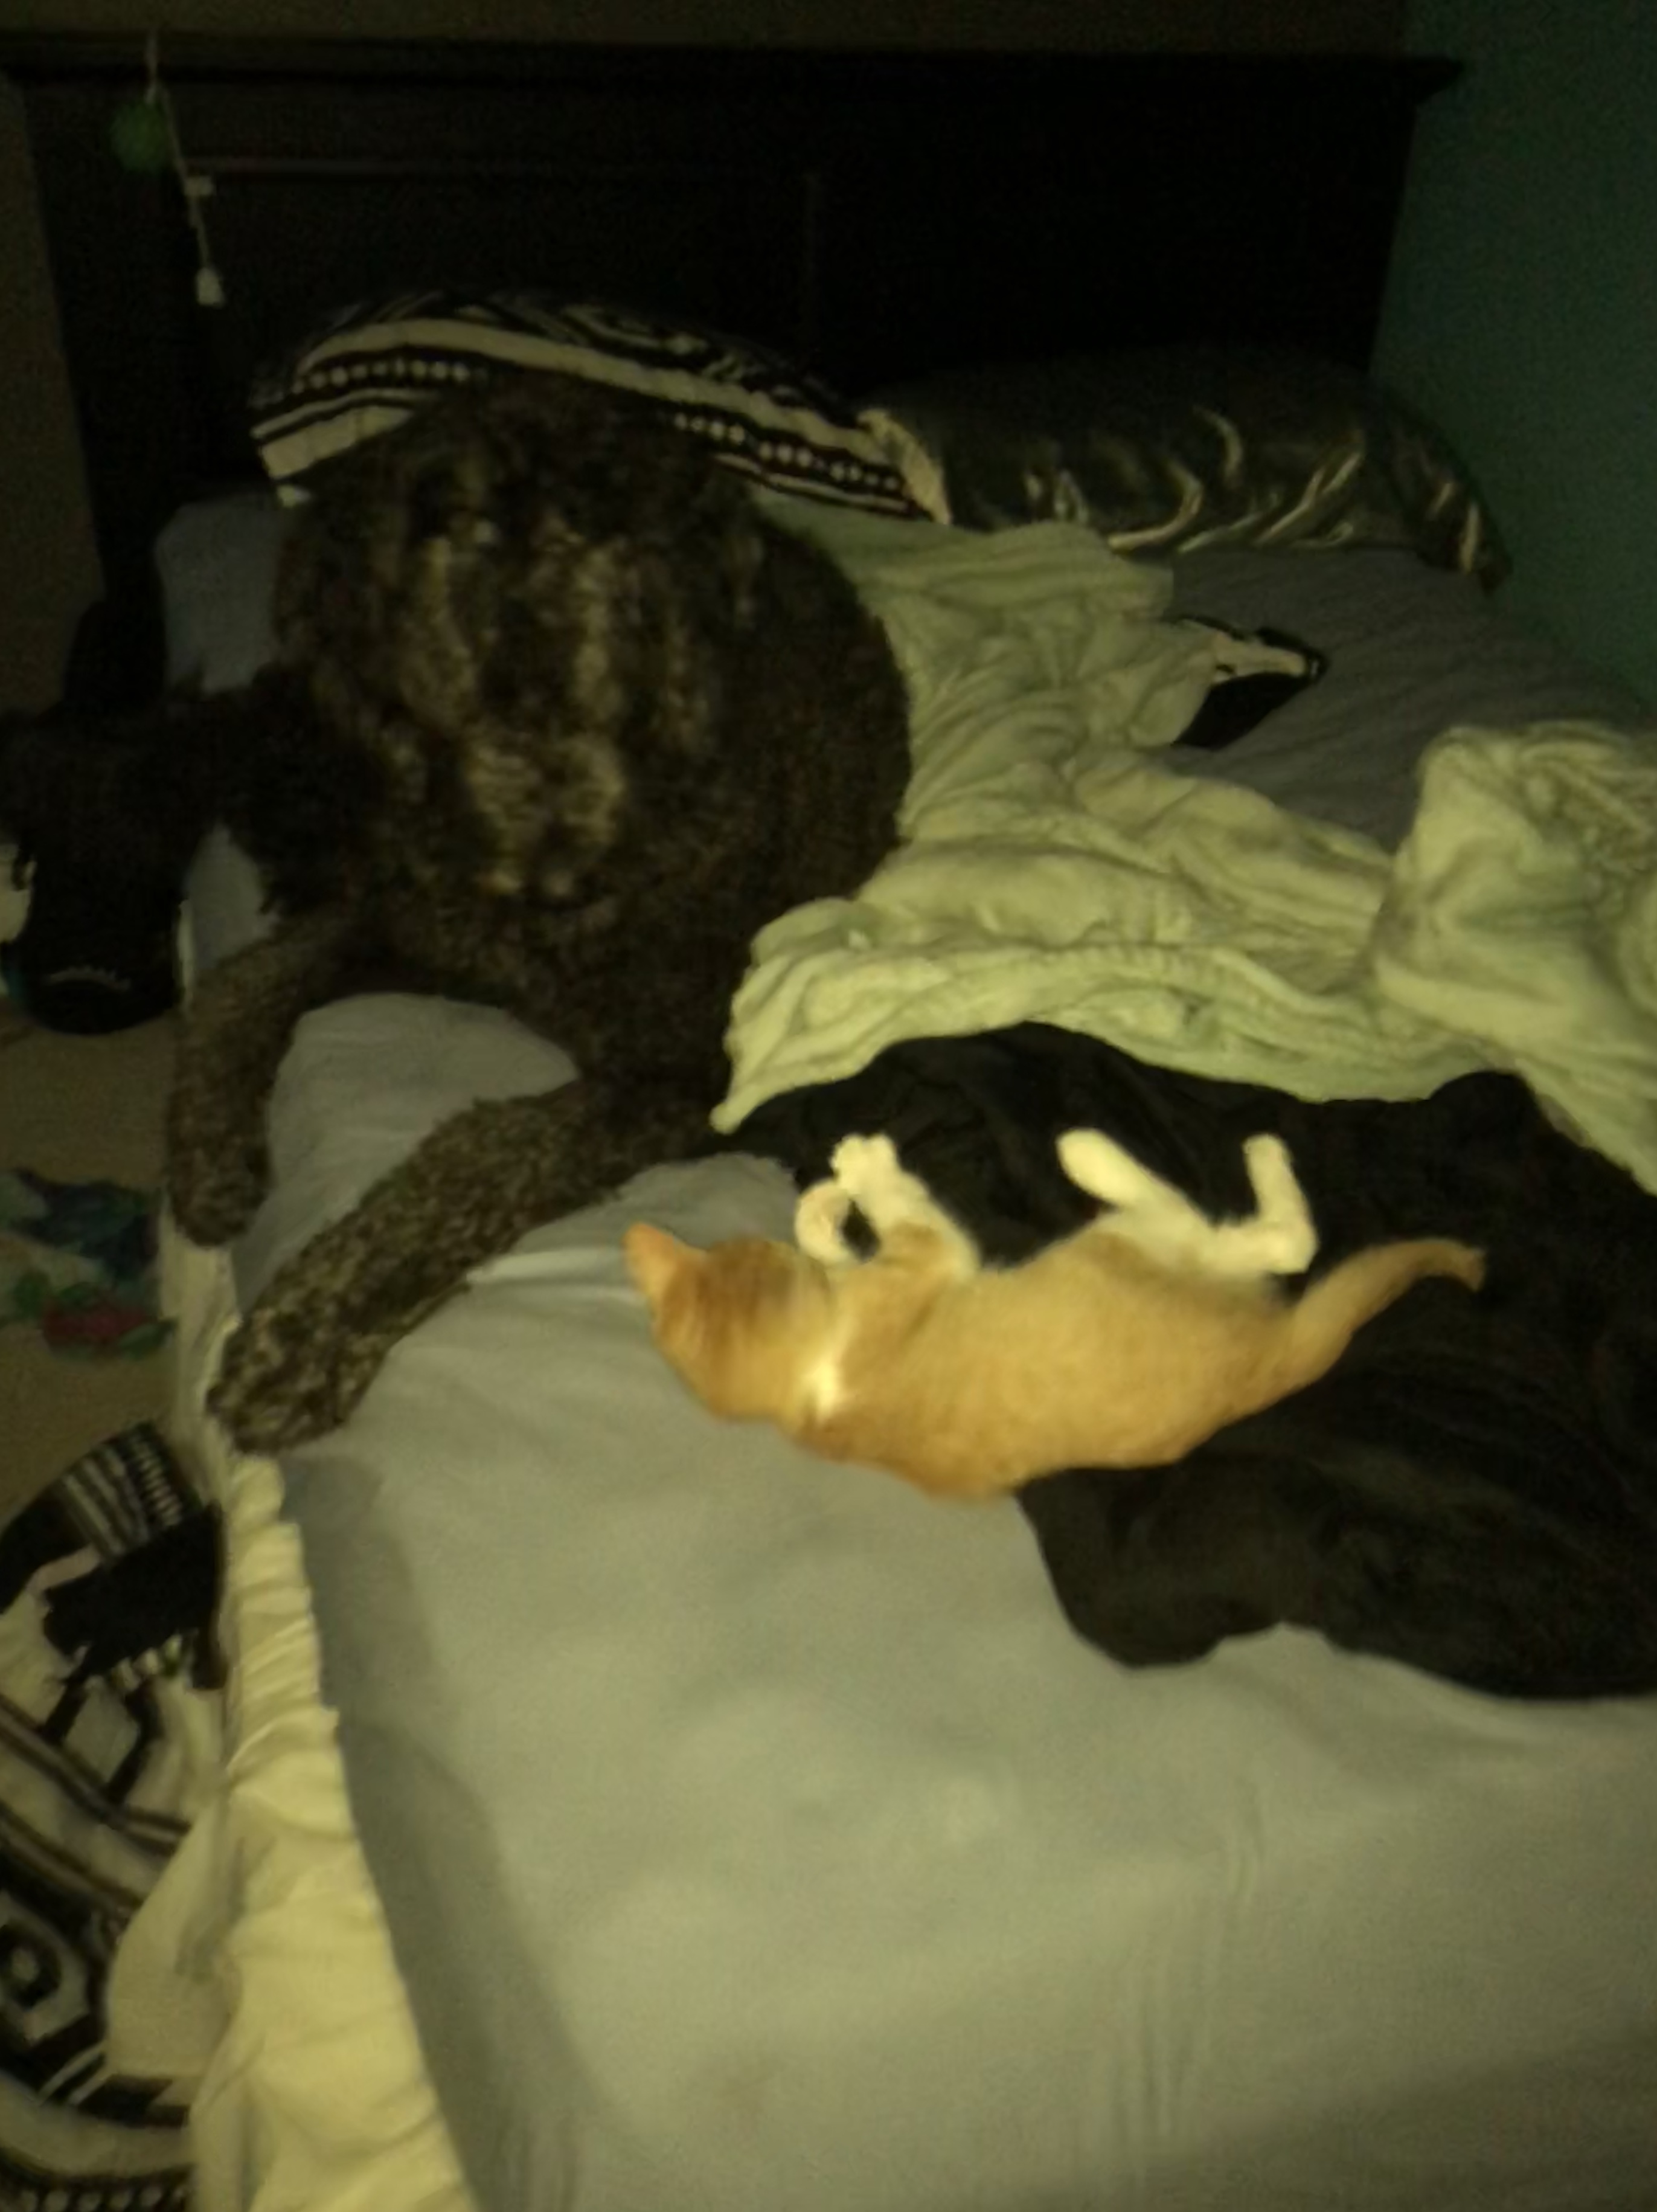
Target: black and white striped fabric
108, 1586
377, 362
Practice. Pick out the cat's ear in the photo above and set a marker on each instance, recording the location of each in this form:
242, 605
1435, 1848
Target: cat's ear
656, 1259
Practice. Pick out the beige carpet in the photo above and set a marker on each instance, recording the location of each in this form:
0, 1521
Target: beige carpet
75, 1109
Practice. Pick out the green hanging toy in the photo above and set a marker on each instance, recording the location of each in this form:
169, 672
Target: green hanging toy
143, 136
140, 139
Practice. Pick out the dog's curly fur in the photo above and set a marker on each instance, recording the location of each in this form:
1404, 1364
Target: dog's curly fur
558, 721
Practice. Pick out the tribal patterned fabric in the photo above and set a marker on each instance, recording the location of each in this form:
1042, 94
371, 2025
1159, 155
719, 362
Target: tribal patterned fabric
107, 1585
765, 416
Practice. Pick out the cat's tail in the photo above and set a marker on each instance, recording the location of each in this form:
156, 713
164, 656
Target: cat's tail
1325, 1320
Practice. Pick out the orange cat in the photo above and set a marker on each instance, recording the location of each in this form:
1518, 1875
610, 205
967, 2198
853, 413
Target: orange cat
1126, 1345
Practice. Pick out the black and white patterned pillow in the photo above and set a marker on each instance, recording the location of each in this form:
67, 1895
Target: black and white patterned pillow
377, 362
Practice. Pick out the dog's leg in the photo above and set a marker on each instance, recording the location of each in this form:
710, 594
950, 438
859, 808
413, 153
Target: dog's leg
237, 1029
315, 1340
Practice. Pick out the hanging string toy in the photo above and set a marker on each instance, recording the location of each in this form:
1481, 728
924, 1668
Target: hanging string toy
143, 135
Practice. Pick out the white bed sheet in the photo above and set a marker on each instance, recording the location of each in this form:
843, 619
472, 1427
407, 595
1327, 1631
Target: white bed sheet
860, 1882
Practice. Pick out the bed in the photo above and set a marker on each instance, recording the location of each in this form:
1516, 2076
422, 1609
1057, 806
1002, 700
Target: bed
619, 1809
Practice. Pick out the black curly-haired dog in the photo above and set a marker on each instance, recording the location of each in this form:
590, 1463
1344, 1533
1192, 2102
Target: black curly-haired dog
560, 721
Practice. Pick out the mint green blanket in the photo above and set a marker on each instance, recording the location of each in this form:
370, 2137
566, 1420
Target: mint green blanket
1054, 870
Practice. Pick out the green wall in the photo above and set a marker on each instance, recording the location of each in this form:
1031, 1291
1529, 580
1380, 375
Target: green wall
1522, 312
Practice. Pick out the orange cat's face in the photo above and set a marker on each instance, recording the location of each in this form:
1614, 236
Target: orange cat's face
736, 1322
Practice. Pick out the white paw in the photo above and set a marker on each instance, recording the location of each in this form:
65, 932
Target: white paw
1099, 1165
1288, 1236
820, 1223
1269, 1167
863, 1165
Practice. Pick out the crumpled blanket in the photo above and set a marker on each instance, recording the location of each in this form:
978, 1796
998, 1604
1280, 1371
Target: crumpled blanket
1054, 870
1472, 1490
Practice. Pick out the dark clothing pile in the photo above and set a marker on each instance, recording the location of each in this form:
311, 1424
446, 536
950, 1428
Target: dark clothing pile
1472, 1490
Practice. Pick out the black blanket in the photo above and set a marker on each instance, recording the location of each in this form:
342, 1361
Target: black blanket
1472, 1490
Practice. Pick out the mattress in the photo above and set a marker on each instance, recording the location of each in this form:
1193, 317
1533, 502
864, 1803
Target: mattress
682, 1820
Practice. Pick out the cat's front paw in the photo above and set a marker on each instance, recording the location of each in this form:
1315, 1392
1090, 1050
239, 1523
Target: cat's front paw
862, 1164
820, 1221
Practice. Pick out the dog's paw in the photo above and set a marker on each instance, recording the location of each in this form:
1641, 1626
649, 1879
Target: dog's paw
213, 1196
820, 1221
304, 1356
281, 1383
275, 1388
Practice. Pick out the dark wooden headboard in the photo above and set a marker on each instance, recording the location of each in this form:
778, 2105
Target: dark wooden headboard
879, 213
